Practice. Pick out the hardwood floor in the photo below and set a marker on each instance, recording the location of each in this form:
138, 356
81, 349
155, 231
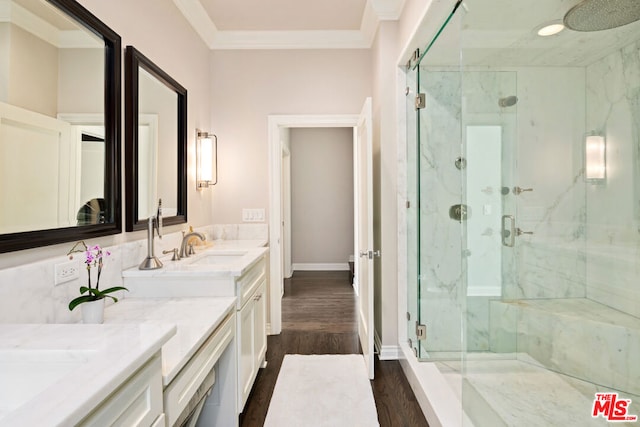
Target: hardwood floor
319, 317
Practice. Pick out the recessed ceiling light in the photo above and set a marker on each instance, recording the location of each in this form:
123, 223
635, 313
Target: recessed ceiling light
550, 29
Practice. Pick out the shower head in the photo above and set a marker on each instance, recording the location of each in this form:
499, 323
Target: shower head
508, 101
597, 15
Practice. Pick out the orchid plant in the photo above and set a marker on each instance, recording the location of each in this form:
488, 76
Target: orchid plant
93, 258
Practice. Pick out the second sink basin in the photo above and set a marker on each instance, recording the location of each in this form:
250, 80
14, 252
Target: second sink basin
219, 258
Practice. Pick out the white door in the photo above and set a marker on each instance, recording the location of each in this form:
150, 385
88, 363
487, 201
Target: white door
363, 181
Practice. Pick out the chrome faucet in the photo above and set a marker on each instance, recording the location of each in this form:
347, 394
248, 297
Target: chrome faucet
154, 226
185, 241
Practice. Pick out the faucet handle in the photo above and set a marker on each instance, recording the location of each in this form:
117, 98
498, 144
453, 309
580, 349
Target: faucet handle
176, 255
159, 219
191, 250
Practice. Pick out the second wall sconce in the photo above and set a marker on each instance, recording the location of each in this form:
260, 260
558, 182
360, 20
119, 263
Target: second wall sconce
206, 159
595, 161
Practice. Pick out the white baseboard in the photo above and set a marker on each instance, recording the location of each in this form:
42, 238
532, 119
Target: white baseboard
385, 352
320, 267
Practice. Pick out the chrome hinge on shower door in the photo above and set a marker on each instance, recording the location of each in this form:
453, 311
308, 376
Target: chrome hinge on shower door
421, 101
421, 332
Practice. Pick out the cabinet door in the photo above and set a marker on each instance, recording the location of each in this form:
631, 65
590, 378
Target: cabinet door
260, 325
137, 402
246, 365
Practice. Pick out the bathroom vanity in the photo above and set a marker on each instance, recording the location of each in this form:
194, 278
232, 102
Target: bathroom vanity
229, 270
199, 361
69, 374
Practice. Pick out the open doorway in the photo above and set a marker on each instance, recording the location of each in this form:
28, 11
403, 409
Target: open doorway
280, 233
361, 126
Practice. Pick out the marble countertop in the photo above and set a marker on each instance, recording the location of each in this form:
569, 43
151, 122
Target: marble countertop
234, 258
195, 318
236, 244
58, 373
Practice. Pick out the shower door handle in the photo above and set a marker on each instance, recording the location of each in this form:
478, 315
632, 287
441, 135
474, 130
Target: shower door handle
508, 234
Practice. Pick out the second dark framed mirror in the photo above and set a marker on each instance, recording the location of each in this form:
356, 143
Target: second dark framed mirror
155, 143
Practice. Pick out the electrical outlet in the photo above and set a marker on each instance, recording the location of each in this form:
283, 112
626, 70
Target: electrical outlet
66, 272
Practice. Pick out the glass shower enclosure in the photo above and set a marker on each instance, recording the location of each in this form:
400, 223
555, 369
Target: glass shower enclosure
523, 212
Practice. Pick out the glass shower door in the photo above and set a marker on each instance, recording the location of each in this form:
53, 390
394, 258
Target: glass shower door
434, 109
413, 296
491, 191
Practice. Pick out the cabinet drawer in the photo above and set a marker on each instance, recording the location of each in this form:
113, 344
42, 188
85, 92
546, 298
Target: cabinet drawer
178, 394
138, 402
249, 282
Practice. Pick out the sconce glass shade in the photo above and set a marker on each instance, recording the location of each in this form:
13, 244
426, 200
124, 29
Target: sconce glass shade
595, 158
206, 159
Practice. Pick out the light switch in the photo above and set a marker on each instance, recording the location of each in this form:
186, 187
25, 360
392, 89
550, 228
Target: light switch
253, 215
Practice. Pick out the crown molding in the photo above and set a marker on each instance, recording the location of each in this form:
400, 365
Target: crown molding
345, 39
197, 16
68, 39
375, 11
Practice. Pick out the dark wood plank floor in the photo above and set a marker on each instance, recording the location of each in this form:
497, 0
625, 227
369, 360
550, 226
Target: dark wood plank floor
319, 317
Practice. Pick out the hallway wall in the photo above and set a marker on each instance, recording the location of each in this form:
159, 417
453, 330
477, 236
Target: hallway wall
321, 198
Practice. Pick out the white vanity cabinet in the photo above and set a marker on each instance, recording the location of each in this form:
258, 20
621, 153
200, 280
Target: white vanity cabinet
208, 275
137, 402
252, 347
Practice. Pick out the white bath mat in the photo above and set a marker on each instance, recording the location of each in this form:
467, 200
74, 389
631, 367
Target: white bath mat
322, 390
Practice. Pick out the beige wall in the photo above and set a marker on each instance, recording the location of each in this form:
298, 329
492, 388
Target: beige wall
250, 85
321, 195
33, 79
80, 81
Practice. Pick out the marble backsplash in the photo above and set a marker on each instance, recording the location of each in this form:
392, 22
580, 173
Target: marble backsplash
28, 293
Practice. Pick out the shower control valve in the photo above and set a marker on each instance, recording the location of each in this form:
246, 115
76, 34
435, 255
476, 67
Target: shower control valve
518, 190
519, 232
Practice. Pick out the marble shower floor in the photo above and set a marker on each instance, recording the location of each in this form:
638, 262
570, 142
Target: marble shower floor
516, 393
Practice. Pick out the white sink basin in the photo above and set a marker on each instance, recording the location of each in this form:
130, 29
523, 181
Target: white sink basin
26, 373
220, 258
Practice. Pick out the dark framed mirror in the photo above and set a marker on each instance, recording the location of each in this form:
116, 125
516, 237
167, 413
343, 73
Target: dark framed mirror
60, 121
155, 143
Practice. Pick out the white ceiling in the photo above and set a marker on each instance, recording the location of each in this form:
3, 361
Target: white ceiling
288, 24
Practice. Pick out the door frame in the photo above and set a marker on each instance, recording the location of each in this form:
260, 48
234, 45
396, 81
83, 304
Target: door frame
276, 124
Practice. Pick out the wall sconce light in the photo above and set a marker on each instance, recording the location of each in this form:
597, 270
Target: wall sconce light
206, 159
595, 162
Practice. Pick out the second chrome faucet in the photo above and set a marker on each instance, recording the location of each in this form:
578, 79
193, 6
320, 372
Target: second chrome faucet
184, 245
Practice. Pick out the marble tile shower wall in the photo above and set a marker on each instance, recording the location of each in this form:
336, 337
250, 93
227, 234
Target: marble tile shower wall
551, 111
613, 208
28, 294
